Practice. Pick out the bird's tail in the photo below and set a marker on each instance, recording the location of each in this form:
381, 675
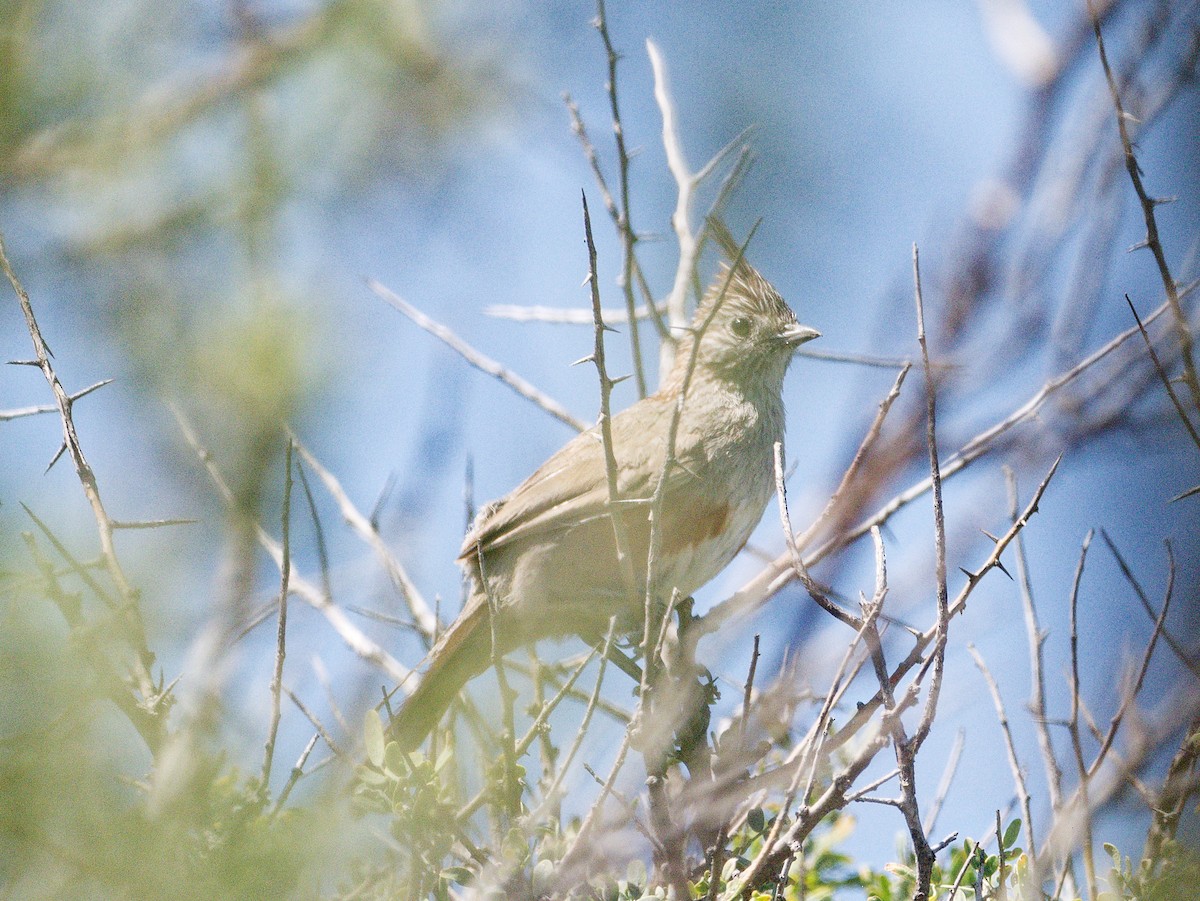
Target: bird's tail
459, 655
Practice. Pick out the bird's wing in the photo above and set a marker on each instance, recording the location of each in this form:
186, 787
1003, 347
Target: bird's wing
572, 486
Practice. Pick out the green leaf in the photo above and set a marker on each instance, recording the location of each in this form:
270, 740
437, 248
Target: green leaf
901, 870
756, 819
543, 876
393, 759
1011, 833
371, 777
458, 875
443, 758
635, 872
373, 737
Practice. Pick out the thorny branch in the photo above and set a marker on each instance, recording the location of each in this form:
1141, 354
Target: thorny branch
624, 224
1152, 240
780, 572
153, 697
353, 637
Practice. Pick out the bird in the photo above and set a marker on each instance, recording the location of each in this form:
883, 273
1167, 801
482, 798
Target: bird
542, 562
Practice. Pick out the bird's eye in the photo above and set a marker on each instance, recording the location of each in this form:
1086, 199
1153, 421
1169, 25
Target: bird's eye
740, 327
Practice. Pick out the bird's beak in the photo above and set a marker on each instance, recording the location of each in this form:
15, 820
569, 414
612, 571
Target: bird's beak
796, 334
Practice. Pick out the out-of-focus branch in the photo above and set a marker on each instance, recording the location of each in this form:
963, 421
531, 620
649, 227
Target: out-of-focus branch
480, 361
167, 107
686, 186
421, 611
1179, 785
353, 637
1183, 332
1187, 659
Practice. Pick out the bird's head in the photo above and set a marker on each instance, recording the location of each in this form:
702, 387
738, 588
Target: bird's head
746, 330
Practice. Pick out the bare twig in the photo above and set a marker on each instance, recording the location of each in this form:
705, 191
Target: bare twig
780, 572
1179, 317
1163, 377
1014, 762
939, 523
151, 523
509, 796
778, 845
789, 538
6, 415
421, 612
685, 183
748, 690
1179, 785
153, 696
610, 203
535, 729
1068, 830
319, 535
281, 632
312, 718
481, 362
624, 222
130, 616
295, 775
114, 686
575, 856
861, 794
1186, 658
82, 571
948, 773
1089, 863
564, 315
353, 637
810, 751
551, 794
916, 655
650, 309
834, 356
856, 464
1037, 641
624, 561
1133, 690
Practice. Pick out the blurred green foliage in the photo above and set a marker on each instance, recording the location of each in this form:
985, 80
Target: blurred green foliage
163, 145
